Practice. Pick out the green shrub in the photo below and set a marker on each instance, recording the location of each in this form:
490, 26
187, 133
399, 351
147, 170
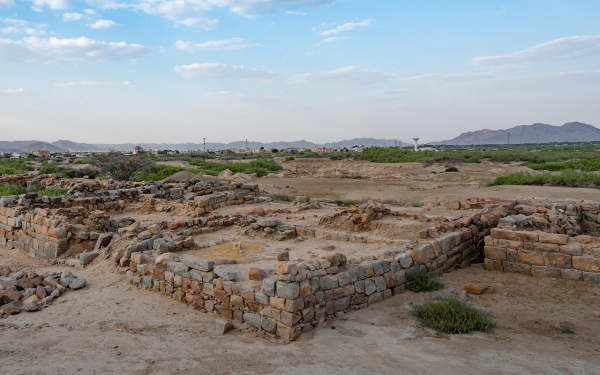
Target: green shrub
78, 173
290, 158
286, 198
474, 159
11, 167
52, 192
423, 282
417, 204
568, 330
157, 172
451, 169
567, 178
261, 167
48, 169
343, 203
9, 189
452, 315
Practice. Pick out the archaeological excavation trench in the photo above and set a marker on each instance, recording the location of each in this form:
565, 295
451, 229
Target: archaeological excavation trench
282, 268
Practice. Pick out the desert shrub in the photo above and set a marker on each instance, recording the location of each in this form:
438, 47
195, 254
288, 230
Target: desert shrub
423, 282
157, 172
261, 167
14, 167
417, 204
568, 330
286, 198
52, 192
451, 169
474, 159
9, 189
452, 315
48, 169
567, 178
78, 173
343, 203
290, 158
119, 166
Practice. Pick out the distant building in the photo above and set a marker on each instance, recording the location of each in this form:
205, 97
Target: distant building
42, 154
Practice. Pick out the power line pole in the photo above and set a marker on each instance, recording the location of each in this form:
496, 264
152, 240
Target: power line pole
508, 138
204, 144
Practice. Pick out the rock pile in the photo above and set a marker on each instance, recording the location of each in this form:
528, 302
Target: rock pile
29, 291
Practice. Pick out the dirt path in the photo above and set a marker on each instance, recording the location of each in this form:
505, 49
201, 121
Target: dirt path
84, 332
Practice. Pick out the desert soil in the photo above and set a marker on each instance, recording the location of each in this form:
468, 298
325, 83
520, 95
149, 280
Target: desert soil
110, 327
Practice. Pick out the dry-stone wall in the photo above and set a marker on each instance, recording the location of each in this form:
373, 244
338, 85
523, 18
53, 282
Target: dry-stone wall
45, 227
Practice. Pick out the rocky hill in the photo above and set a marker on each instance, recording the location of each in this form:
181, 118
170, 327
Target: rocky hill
536, 133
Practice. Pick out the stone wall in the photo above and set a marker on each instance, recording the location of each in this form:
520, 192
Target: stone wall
45, 227
541, 254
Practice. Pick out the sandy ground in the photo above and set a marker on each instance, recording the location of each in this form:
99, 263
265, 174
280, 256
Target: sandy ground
112, 328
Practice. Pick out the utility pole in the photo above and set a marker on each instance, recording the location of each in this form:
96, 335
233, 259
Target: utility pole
537, 138
204, 144
508, 138
246, 142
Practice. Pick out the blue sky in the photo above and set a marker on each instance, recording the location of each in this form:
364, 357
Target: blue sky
101, 71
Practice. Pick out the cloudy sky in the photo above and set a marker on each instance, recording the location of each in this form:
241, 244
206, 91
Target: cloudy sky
100, 71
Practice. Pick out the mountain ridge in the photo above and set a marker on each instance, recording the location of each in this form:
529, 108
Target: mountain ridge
534, 133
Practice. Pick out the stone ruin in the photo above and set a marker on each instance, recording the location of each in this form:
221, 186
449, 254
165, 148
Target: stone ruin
536, 237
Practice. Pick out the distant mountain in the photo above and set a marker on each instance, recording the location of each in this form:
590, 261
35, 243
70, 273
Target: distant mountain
72, 146
40, 146
536, 133
66, 145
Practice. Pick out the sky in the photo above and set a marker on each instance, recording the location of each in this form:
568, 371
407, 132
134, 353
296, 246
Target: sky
175, 71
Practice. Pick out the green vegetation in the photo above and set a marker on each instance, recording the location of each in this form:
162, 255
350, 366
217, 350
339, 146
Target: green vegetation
423, 282
286, 198
9, 189
14, 167
344, 203
568, 330
157, 172
451, 169
417, 204
540, 157
52, 192
260, 167
290, 158
48, 169
452, 315
567, 178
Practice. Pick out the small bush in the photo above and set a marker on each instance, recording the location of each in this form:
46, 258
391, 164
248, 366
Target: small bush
343, 203
48, 169
9, 189
452, 315
52, 192
567, 178
290, 158
568, 330
423, 282
451, 169
417, 204
474, 159
286, 198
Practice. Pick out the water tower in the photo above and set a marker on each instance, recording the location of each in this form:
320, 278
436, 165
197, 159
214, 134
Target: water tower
415, 140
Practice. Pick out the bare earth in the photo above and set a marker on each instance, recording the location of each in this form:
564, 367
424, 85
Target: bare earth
110, 327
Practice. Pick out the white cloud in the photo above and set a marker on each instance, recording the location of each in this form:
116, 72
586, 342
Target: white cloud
13, 91
6, 3
222, 71
103, 24
220, 95
54, 4
290, 12
450, 77
126, 84
350, 75
253, 7
559, 49
73, 50
22, 27
347, 27
182, 12
90, 12
72, 17
334, 39
233, 43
